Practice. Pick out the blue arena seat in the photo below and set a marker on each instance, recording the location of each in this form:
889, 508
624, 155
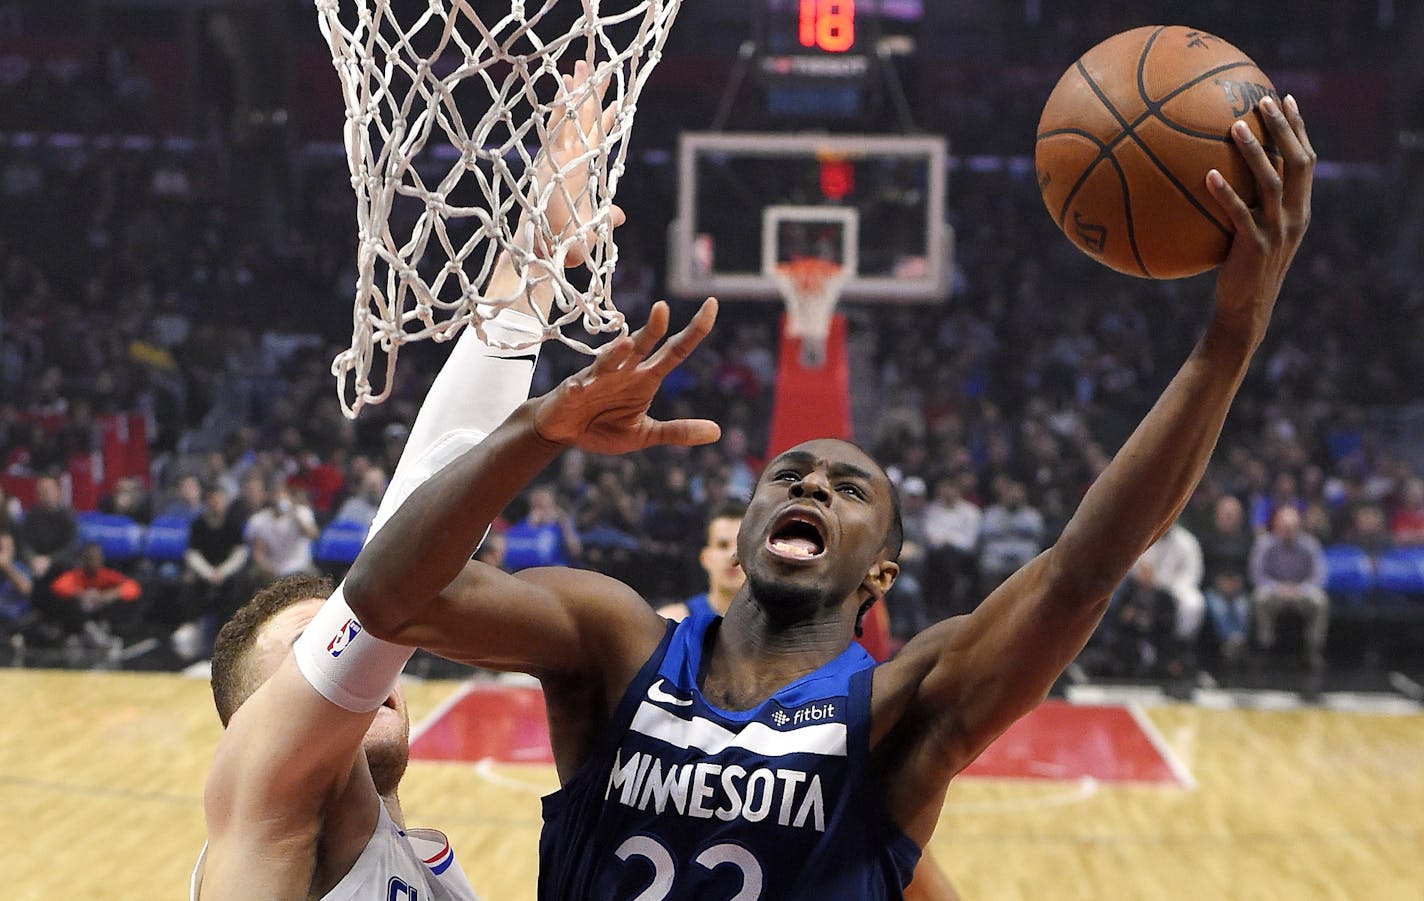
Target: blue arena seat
1348, 570
119, 536
166, 539
1402, 570
339, 542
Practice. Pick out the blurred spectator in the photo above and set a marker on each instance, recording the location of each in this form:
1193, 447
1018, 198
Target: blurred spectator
1173, 566
50, 531
1288, 572
94, 601
362, 506
1226, 555
213, 563
15, 586
608, 523
252, 498
952, 532
1368, 530
10, 511
129, 498
280, 536
545, 537
1407, 524
491, 551
671, 521
187, 500
1010, 536
907, 605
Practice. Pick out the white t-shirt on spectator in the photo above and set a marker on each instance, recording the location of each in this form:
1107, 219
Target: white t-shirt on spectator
954, 525
289, 550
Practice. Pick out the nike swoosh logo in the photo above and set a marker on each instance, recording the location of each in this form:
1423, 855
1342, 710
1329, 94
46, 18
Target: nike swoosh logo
656, 693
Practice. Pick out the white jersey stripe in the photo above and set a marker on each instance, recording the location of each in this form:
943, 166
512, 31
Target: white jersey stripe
826, 739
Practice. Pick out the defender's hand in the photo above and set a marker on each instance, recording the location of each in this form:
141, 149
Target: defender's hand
1266, 237
563, 170
604, 408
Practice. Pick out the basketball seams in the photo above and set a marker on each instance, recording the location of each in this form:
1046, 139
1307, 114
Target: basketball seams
1107, 154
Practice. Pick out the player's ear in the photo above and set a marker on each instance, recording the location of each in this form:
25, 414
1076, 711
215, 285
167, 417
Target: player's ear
881, 576
702, 557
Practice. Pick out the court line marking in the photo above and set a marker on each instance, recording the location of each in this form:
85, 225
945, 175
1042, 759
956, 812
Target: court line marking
1169, 756
485, 769
444, 707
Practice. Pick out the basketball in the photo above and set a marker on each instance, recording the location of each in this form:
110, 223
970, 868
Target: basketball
1127, 138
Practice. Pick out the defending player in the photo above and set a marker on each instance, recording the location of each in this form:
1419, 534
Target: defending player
761, 754
302, 801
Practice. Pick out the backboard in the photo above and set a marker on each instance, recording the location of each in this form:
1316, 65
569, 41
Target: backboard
885, 193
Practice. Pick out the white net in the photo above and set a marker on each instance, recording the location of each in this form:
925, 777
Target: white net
452, 106
810, 287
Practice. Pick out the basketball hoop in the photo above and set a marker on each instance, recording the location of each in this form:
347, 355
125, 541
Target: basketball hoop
486, 84
810, 286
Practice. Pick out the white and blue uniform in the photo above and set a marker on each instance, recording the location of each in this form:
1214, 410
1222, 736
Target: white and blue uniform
684, 800
395, 865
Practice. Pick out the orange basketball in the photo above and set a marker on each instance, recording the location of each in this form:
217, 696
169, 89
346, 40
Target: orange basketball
1127, 138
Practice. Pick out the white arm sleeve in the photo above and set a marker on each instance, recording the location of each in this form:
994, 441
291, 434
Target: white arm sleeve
476, 390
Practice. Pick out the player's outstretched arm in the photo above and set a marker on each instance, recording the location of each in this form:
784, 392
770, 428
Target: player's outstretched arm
535, 621
989, 668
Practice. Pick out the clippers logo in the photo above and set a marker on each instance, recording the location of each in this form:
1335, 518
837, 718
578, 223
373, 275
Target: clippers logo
343, 638
398, 889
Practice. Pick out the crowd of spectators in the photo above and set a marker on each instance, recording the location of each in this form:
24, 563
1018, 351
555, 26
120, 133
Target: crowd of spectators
124, 288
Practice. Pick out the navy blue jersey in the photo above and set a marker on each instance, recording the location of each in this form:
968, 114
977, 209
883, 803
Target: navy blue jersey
683, 800
698, 605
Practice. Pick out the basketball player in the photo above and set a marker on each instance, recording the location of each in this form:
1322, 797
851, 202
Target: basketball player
762, 754
719, 561
725, 578
302, 801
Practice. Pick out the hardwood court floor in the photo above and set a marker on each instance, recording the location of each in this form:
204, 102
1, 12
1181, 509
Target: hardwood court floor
101, 780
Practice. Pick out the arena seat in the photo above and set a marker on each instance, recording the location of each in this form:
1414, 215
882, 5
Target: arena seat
166, 539
1402, 570
339, 542
118, 536
1348, 570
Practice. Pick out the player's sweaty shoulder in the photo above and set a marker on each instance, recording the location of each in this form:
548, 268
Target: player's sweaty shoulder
616, 622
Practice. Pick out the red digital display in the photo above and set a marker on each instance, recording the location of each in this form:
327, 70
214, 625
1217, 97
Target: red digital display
827, 25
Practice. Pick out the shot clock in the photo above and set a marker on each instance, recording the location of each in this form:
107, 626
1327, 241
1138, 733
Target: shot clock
815, 56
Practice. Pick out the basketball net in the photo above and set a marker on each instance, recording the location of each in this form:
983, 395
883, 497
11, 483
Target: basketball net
810, 286
431, 224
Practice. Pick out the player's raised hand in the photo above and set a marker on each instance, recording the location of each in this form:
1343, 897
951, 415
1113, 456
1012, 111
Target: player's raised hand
1268, 235
573, 137
604, 408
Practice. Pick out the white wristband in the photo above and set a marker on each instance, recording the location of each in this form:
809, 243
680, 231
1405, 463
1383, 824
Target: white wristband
346, 664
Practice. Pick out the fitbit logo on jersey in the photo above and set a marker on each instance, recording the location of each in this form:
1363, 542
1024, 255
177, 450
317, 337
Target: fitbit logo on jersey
343, 637
811, 713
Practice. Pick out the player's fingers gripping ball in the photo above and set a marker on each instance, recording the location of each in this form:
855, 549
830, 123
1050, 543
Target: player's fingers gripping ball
1128, 136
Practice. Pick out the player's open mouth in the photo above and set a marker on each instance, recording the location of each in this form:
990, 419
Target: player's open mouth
390, 701
797, 537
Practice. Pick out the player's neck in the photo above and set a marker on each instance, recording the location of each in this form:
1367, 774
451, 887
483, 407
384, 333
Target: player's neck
393, 807
751, 657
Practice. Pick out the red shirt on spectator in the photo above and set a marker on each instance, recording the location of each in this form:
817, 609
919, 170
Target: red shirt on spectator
75, 582
1407, 526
